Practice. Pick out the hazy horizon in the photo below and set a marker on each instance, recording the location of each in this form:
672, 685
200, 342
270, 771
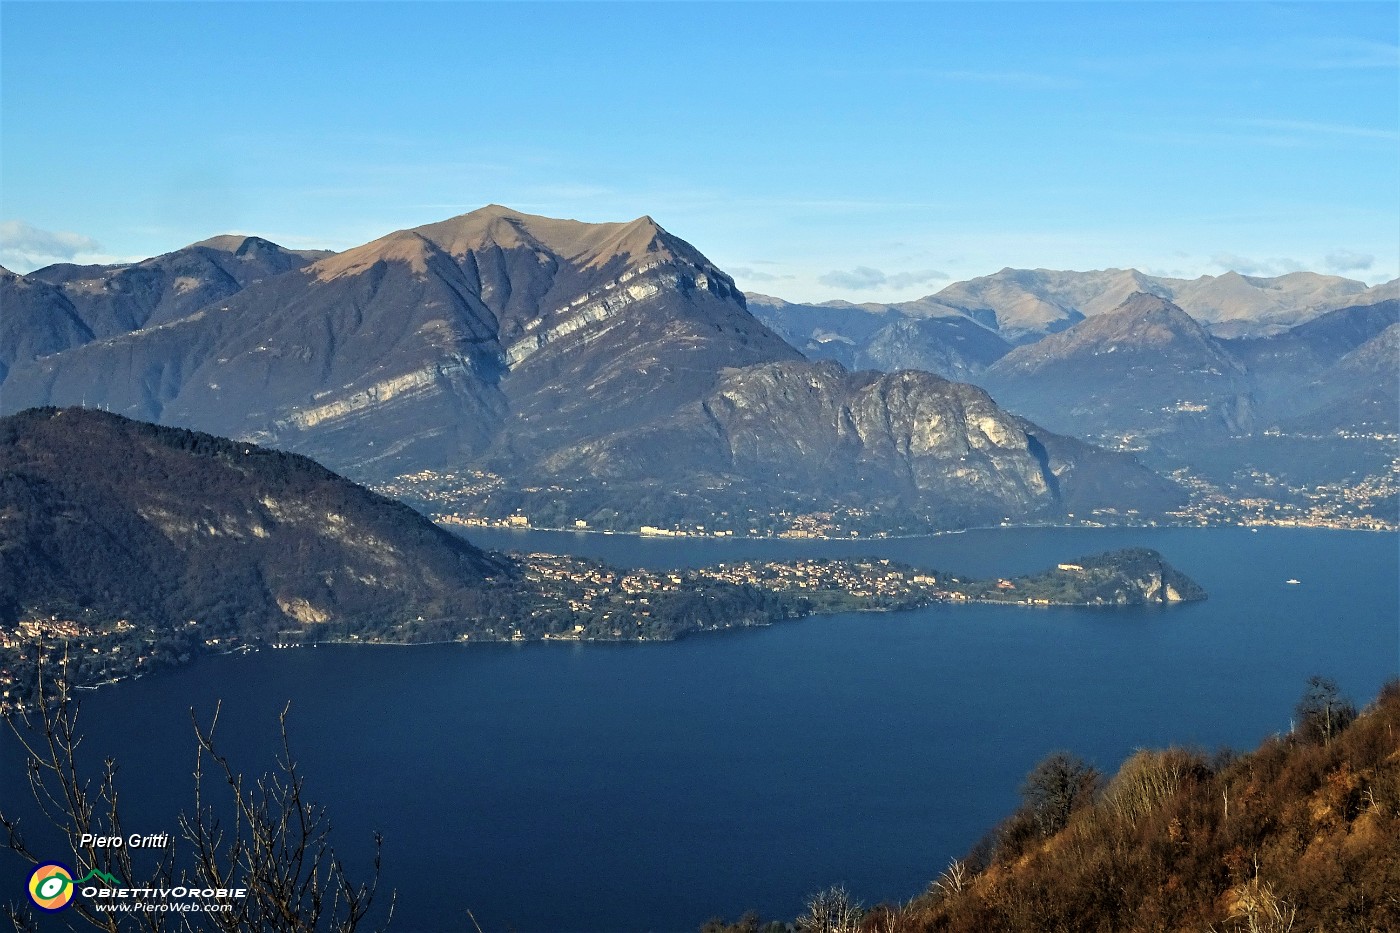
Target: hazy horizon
12, 230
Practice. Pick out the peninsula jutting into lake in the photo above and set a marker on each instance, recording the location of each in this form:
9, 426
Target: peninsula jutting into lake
113, 575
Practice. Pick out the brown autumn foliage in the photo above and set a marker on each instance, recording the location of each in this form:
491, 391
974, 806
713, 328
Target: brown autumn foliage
1302, 834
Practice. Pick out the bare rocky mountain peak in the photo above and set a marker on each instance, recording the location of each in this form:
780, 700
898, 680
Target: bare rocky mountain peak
582, 245
1142, 322
240, 244
227, 242
1144, 308
116, 299
1142, 368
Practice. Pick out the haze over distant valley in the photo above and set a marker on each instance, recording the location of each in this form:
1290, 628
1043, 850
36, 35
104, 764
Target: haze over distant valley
1281, 391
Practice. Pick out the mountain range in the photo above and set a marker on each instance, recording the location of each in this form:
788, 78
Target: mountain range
1141, 364
1024, 305
604, 372
1275, 399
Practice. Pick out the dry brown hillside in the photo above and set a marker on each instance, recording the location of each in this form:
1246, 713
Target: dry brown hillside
1303, 833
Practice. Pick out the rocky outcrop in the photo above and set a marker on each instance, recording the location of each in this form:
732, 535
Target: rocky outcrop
902, 441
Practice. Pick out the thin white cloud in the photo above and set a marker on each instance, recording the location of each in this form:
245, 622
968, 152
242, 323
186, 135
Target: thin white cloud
1023, 80
1323, 129
1233, 262
864, 277
1344, 54
1244, 265
908, 279
857, 279
23, 245
1346, 260
749, 274
1293, 53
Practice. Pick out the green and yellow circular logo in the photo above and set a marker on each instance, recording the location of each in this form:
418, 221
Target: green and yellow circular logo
51, 886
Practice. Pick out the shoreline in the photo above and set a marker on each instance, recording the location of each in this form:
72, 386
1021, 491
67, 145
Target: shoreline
465, 530
734, 625
246, 649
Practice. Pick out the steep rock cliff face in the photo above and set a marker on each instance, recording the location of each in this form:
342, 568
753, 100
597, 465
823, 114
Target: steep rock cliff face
909, 429
906, 440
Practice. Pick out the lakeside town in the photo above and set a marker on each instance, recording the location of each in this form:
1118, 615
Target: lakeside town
1256, 499
576, 599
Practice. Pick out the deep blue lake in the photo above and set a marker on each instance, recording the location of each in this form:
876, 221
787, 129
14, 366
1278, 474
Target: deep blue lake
652, 786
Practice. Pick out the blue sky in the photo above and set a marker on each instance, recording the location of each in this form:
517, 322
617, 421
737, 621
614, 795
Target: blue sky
865, 151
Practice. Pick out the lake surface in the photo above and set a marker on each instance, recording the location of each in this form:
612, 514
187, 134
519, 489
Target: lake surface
652, 786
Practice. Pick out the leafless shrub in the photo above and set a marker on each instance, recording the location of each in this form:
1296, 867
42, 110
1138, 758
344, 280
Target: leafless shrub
1146, 781
954, 879
275, 845
831, 911
1258, 910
